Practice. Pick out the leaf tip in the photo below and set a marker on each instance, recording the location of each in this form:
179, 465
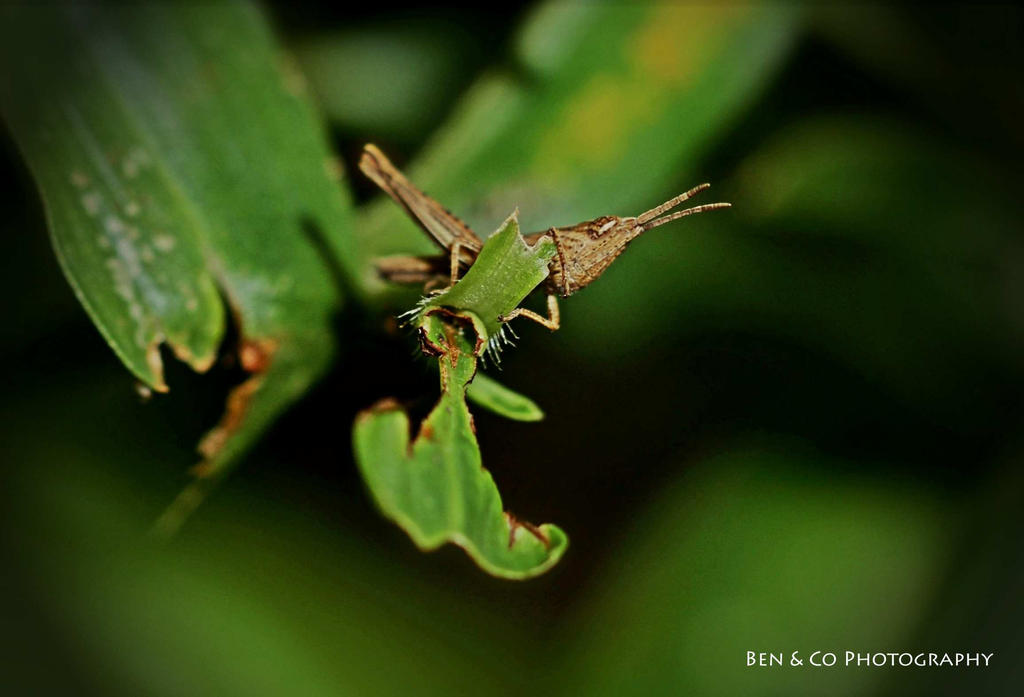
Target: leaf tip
155, 364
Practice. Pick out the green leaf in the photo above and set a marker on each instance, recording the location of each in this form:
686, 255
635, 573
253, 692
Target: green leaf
435, 487
179, 161
505, 272
492, 395
622, 99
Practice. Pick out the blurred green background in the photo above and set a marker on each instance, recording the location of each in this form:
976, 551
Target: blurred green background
793, 426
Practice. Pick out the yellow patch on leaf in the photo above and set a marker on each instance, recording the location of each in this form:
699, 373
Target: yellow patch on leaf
663, 55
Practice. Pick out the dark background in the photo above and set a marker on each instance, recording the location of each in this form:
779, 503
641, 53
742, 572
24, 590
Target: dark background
826, 455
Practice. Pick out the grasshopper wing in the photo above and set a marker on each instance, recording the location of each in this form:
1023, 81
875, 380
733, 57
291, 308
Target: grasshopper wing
443, 227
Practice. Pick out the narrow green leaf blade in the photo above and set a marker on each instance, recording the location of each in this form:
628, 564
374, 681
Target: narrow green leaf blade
492, 395
435, 487
621, 101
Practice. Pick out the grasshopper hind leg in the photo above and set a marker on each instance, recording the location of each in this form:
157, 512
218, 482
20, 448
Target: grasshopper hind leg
454, 263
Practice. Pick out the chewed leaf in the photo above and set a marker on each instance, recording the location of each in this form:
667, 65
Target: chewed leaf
166, 197
505, 272
435, 487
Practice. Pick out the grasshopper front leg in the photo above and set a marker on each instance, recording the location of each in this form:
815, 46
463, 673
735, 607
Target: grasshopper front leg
453, 272
552, 321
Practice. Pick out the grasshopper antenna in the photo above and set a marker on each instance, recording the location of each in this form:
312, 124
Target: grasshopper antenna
651, 220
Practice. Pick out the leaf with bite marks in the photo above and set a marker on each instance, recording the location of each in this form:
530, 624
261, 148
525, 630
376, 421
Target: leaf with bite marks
435, 487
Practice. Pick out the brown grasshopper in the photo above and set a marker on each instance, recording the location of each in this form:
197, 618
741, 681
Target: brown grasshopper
585, 250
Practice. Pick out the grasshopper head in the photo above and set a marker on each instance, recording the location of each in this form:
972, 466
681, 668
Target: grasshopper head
586, 250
